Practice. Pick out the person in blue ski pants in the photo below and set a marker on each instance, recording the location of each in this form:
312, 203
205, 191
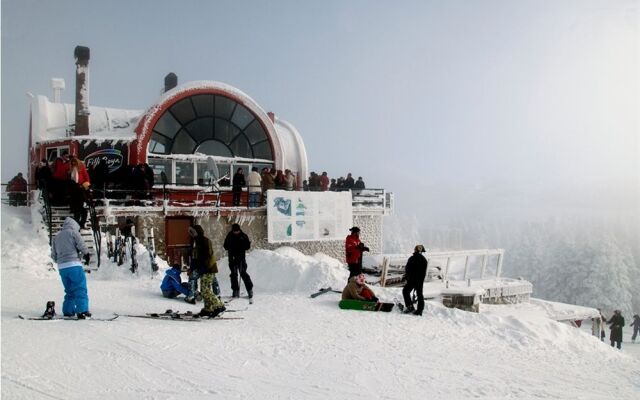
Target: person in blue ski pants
66, 246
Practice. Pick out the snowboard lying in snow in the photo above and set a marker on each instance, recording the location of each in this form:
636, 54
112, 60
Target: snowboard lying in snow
323, 291
365, 305
178, 316
63, 318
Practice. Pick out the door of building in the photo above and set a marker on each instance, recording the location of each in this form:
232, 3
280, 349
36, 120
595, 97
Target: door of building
177, 240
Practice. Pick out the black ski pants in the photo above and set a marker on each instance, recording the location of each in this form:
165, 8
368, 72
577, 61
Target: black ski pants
406, 293
239, 266
354, 269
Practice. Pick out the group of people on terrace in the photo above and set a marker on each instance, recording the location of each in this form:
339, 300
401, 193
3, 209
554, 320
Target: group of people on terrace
258, 183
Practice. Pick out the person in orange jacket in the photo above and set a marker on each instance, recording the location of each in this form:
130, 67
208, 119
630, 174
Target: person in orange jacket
353, 250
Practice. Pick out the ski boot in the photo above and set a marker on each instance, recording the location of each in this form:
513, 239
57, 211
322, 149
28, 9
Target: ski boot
236, 294
409, 310
250, 293
217, 312
84, 315
50, 310
190, 300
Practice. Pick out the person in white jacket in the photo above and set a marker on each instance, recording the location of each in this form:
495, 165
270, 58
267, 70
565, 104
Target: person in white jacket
254, 185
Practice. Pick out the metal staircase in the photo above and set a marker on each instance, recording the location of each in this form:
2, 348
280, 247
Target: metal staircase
90, 236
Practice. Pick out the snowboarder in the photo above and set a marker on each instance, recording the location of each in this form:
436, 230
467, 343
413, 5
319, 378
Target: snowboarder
237, 243
357, 289
616, 322
203, 266
354, 249
636, 327
415, 272
66, 246
172, 285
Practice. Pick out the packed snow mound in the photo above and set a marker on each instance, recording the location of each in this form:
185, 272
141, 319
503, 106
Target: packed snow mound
287, 270
25, 242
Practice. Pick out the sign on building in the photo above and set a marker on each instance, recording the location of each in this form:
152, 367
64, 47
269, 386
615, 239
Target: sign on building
308, 216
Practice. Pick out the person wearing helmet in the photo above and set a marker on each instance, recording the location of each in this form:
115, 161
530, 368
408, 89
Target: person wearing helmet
415, 272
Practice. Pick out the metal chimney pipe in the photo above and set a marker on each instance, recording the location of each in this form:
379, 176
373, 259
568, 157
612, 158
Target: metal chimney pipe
170, 81
81, 54
57, 84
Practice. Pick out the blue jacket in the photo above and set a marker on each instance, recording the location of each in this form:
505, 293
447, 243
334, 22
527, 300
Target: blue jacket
67, 244
172, 281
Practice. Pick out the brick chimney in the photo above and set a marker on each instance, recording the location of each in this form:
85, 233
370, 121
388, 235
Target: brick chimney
170, 81
81, 54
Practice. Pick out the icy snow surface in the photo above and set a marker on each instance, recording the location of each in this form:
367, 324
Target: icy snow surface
288, 346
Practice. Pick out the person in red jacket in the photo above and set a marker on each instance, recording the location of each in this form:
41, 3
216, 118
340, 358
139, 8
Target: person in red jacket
60, 176
17, 190
324, 182
353, 250
78, 191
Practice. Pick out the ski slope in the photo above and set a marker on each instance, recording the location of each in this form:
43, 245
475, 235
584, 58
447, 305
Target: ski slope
288, 346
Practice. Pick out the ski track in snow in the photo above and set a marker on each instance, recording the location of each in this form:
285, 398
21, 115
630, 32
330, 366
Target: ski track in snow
288, 346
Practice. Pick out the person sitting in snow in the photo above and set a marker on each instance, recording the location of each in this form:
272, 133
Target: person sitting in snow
357, 289
66, 246
415, 272
616, 322
172, 285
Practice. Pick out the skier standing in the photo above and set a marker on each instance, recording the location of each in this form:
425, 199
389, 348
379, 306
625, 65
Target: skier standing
616, 322
353, 250
203, 266
66, 246
237, 243
636, 327
415, 272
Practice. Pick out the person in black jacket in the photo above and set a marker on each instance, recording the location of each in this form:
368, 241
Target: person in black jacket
238, 183
616, 322
237, 243
415, 272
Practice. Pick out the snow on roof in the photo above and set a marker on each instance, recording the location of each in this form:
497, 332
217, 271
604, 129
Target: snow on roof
56, 121
294, 153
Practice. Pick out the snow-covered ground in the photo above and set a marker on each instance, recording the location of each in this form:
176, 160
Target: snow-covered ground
288, 346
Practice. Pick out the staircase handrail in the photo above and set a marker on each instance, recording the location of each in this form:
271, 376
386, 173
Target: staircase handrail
95, 228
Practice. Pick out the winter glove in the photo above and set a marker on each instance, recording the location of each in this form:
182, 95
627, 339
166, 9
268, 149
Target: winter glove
87, 258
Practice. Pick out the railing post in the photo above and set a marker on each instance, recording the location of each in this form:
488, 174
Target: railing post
466, 267
446, 269
499, 267
484, 266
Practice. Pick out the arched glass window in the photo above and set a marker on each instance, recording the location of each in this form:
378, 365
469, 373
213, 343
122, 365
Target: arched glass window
210, 124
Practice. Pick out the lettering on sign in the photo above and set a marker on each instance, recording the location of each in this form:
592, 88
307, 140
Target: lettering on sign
112, 157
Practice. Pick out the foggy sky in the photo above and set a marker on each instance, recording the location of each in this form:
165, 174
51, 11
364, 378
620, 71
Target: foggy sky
452, 105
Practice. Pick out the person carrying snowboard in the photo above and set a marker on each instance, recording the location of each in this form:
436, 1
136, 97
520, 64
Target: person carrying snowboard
415, 272
636, 327
237, 243
172, 285
357, 289
66, 246
616, 322
203, 266
353, 251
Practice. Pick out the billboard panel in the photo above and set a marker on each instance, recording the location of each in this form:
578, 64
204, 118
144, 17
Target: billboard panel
307, 216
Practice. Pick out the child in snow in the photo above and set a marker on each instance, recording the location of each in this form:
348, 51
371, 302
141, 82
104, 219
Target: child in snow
356, 289
636, 327
172, 285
